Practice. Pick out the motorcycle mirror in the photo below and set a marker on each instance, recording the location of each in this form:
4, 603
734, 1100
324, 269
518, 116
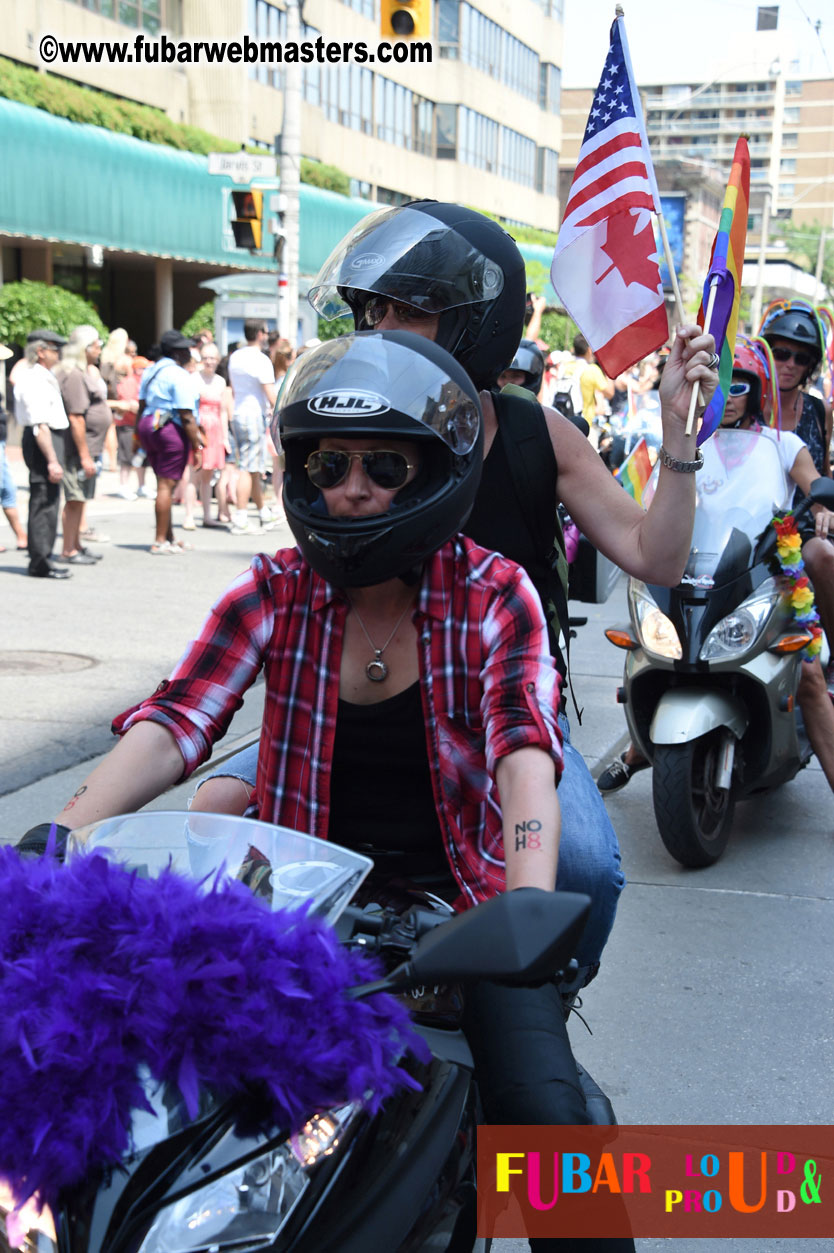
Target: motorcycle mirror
519, 937
822, 492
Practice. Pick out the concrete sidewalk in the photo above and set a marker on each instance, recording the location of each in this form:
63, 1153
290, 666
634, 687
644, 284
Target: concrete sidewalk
77, 652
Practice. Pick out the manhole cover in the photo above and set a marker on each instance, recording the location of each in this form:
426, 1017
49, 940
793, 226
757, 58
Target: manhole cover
43, 663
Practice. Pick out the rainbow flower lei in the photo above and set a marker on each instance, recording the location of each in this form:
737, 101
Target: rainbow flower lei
796, 585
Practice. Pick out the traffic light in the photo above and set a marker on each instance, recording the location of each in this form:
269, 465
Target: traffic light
405, 19
247, 222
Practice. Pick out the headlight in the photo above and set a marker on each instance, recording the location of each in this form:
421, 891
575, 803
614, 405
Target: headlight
245, 1209
739, 631
657, 632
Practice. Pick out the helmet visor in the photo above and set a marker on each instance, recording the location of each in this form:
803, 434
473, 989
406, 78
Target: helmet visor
409, 256
527, 359
356, 380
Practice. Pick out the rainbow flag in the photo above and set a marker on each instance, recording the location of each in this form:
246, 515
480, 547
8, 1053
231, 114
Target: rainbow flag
635, 470
724, 278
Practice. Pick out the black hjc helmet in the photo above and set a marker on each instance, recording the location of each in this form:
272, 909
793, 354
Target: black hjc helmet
529, 359
373, 384
797, 321
441, 258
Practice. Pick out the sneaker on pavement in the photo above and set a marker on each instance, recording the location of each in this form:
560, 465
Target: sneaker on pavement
617, 774
245, 529
146, 493
126, 493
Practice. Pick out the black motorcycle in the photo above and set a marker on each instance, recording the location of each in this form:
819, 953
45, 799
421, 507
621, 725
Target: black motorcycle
345, 1179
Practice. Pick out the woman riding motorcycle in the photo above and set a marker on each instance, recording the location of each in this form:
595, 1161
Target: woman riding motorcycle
451, 275
749, 400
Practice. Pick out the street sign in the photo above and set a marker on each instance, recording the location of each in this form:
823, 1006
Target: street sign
241, 167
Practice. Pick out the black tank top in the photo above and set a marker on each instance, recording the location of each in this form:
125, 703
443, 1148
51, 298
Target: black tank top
498, 522
381, 799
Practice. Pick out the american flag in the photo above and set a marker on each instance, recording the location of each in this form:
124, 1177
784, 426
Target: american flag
605, 268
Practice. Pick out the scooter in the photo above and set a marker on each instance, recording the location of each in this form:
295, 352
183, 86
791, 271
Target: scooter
712, 665
348, 1179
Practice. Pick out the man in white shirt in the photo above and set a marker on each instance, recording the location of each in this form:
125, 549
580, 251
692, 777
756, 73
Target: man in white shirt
252, 381
40, 411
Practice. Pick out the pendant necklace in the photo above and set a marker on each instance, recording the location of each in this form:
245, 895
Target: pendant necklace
376, 670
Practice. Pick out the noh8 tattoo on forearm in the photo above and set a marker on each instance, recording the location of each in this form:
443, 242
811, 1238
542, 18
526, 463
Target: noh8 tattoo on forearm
528, 835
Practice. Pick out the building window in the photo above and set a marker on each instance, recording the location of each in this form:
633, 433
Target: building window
787, 191
477, 140
547, 172
367, 8
149, 15
550, 87
448, 12
787, 165
446, 116
791, 116
518, 158
359, 189
790, 139
385, 195
464, 33
793, 88
267, 21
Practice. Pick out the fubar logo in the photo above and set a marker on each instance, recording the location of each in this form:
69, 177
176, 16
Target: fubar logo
370, 258
353, 403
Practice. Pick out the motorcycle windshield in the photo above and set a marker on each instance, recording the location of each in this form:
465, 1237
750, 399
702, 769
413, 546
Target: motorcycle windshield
285, 868
739, 488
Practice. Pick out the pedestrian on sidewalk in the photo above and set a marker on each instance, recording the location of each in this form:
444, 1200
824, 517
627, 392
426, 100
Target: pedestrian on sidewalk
8, 489
215, 406
84, 393
167, 429
252, 381
40, 410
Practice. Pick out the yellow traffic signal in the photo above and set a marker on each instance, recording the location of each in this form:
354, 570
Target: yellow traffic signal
247, 222
405, 19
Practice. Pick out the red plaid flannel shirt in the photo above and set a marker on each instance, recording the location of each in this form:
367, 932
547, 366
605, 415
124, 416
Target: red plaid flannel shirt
488, 685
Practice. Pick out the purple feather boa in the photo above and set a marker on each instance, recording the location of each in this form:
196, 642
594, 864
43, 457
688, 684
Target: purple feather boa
101, 971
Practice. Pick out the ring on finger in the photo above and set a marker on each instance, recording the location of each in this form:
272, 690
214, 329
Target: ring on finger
712, 364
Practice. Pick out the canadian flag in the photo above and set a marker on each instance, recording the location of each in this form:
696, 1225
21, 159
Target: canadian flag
605, 267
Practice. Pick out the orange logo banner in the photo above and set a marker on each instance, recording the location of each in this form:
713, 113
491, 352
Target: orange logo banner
703, 1182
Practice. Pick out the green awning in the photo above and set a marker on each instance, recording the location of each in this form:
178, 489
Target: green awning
73, 183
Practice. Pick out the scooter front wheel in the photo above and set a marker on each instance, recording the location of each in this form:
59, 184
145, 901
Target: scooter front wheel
693, 815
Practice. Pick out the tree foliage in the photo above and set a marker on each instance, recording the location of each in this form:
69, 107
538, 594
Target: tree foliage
27, 306
332, 330
803, 243
80, 104
201, 319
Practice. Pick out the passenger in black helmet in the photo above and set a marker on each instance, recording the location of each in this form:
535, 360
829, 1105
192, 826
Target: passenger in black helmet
526, 368
451, 275
407, 677
795, 334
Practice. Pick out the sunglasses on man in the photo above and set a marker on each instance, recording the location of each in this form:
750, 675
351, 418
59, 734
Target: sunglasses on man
788, 354
385, 467
377, 307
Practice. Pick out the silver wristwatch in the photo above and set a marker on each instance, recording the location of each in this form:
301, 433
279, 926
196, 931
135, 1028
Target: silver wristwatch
682, 467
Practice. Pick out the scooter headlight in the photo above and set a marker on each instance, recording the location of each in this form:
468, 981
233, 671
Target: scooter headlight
738, 632
657, 631
246, 1208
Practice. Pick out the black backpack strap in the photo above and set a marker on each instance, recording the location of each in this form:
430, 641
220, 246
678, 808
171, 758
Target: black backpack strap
533, 470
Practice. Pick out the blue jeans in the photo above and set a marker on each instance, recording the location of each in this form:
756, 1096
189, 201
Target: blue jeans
589, 855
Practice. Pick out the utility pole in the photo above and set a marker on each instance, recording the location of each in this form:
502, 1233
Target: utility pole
290, 176
756, 306
818, 270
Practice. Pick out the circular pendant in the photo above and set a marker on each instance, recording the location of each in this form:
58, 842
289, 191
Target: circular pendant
376, 670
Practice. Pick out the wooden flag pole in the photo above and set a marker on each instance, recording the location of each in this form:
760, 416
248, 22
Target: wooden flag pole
713, 291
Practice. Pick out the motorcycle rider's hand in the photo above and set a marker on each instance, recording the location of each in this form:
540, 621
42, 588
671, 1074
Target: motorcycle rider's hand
824, 523
686, 365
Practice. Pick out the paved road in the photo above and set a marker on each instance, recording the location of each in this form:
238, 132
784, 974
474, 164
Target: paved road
715, 999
